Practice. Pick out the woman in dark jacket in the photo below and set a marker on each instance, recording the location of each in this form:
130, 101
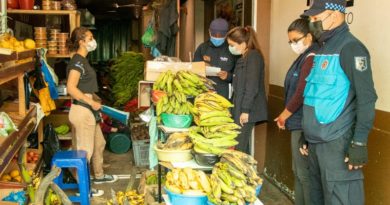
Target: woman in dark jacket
301, 42
250, 103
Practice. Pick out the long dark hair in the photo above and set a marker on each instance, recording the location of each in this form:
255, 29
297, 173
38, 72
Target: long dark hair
300, 25
77, 35
245, 34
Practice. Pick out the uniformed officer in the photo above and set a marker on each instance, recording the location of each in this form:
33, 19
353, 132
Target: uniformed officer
215, 52
338, 109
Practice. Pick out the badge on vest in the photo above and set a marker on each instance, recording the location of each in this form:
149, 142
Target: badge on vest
206, 58
324, 64
361, 63
224, 59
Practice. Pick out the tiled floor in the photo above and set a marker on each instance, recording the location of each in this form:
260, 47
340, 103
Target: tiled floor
122, 165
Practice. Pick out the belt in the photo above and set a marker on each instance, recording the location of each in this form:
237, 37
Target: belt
95, 113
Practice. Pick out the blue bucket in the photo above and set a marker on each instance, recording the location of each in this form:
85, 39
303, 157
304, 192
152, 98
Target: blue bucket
180, 199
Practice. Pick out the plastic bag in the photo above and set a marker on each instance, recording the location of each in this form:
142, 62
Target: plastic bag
51, 145
18, 197
6, 125
149, 38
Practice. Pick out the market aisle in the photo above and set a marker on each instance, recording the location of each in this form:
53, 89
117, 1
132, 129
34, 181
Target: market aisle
122, 164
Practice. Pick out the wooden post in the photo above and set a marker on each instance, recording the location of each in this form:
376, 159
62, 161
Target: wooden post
22, 97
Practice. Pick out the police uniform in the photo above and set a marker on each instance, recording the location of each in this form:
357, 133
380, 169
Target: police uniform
218, 57
339, 106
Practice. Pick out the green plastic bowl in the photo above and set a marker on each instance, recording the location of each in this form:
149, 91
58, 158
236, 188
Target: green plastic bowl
176, 121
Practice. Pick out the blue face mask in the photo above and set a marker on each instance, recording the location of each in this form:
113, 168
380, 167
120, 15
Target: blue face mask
217, 41
234, 50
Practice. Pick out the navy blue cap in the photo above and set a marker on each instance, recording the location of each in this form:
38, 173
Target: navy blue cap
220, 26
320, 6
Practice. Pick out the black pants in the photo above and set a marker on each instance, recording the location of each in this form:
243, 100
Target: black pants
330, 180
300, 166
244, 138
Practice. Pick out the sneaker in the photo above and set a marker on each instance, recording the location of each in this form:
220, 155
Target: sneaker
94, 192
105, 179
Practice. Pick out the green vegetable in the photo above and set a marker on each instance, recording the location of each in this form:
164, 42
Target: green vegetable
127, 71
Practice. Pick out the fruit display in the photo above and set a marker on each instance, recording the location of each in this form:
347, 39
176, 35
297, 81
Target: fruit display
185, 82
216, 130
176, 141
32, 157
62, 129
234, 179
174, 104
13, 176
10, 42
128, 197
188, 182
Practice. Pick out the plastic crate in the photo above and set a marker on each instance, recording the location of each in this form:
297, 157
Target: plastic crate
141, 152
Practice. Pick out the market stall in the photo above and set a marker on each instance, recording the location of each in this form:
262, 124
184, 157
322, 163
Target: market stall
194, 142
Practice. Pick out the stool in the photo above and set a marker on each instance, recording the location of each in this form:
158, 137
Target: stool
78, 160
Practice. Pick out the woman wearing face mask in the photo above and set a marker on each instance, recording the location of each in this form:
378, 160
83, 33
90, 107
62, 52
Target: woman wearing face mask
250, 103
215, 52
82, 86
301, 42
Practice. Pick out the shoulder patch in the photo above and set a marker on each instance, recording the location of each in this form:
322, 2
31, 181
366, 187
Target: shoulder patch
361, 63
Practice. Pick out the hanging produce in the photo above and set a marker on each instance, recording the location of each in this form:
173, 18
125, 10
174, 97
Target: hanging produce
127, 70
234, 179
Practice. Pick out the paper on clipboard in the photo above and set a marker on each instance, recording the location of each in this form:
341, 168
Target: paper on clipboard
212, 71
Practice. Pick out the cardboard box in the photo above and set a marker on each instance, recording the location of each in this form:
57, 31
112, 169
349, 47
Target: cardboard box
144, 93
154, 68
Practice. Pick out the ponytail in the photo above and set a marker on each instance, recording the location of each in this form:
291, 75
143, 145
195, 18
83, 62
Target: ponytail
244, 34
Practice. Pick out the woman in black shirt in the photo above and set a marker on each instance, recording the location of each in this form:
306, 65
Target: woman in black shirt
83, 114
250, 103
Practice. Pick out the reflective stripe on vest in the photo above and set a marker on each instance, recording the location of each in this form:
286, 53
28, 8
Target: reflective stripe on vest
327, 88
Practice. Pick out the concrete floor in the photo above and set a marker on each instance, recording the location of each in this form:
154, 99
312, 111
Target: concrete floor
122, 165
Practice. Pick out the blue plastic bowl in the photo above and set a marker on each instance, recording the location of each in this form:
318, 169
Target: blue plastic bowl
258, 190
176, 121
180, 199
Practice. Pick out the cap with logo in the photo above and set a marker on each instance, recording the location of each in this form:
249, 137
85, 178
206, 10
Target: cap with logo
219, 26
320, 6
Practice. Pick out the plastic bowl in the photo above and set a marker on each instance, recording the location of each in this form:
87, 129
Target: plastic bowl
176, 121
205, 159
181, 199
173, 155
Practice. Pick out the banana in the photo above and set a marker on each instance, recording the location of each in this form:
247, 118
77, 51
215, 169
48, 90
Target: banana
165, 99
173, 188
208, 148
156, 84
177, 85
237, 182
236, 162
227, 126
225, 177
224, 187
203, 180
214, 200
229, 197
183, 180
199, 150
169, 84
159, 107
189, 173
215, 121
211, 114
226, 143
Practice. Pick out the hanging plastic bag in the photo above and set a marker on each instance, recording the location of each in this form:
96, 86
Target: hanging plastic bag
149, 38
51, 145
153, 134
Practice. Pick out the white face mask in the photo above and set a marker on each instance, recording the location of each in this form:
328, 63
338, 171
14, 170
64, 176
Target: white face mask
299, 47
91, 46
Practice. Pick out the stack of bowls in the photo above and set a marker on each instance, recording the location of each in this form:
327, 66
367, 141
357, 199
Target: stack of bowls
46, 5
62, 47
53, 48
56, 5
40, 37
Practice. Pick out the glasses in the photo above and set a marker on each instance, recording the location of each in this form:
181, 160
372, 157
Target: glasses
296, 40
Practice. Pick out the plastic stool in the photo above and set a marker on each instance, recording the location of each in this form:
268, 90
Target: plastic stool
78, 160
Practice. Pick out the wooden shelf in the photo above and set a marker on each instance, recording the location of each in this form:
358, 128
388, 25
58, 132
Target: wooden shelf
15, 140
58, 56
42, 12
